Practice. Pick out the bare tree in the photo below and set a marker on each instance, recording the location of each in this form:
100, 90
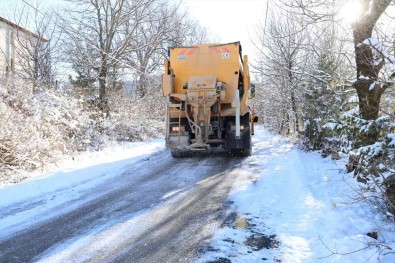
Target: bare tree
281, 53
369, 54
107, 29
115, 37
152, 35
165, 25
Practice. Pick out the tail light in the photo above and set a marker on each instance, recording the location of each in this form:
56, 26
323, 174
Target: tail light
178, 128
233, 128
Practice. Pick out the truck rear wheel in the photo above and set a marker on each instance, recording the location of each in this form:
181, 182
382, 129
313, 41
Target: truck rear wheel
241, 152
180, 153
176, 153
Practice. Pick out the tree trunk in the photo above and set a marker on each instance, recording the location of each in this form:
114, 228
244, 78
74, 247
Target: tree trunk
142, 85
369, 97
102, 84
295, 111
35, 73
102, 89
295, 117
142, 81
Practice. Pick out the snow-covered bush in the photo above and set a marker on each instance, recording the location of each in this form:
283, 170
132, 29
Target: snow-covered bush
133, 118
41, 128
38, 128
371, 147
374, 162
321, 109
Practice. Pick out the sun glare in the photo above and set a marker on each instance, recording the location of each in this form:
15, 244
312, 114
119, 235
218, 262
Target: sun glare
350, 11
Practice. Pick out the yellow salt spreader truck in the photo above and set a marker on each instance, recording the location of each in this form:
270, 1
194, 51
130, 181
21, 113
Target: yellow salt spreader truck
207, 88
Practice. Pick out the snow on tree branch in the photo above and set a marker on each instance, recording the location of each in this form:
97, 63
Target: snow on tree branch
375, 44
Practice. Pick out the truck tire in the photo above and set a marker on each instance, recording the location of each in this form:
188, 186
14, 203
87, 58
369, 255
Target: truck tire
181, 153
248, 152
241, 152
176, 153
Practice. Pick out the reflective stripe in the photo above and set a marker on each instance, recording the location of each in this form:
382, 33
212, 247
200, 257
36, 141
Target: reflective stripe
216, 50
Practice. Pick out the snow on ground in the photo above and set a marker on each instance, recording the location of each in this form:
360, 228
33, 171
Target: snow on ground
66, 182
288, 205
113, 153
294, 206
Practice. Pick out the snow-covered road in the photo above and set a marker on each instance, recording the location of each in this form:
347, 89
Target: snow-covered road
153, 210
137, 204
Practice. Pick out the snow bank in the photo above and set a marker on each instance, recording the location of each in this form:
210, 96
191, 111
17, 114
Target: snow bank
306, 203
69, 182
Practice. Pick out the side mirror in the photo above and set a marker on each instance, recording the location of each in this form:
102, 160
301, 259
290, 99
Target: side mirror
252, 90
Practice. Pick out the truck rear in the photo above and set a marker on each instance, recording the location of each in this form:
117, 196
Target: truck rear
207, 88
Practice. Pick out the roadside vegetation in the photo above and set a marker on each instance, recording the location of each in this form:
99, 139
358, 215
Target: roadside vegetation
112, 52
326, 76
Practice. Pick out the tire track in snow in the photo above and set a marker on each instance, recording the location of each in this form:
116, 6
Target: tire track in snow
201, 186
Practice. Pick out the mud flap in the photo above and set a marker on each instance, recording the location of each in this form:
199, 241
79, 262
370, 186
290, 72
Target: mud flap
243, 143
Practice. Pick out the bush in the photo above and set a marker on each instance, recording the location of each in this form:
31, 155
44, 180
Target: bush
40, 128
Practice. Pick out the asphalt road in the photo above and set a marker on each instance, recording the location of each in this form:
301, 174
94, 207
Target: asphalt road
159, 210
